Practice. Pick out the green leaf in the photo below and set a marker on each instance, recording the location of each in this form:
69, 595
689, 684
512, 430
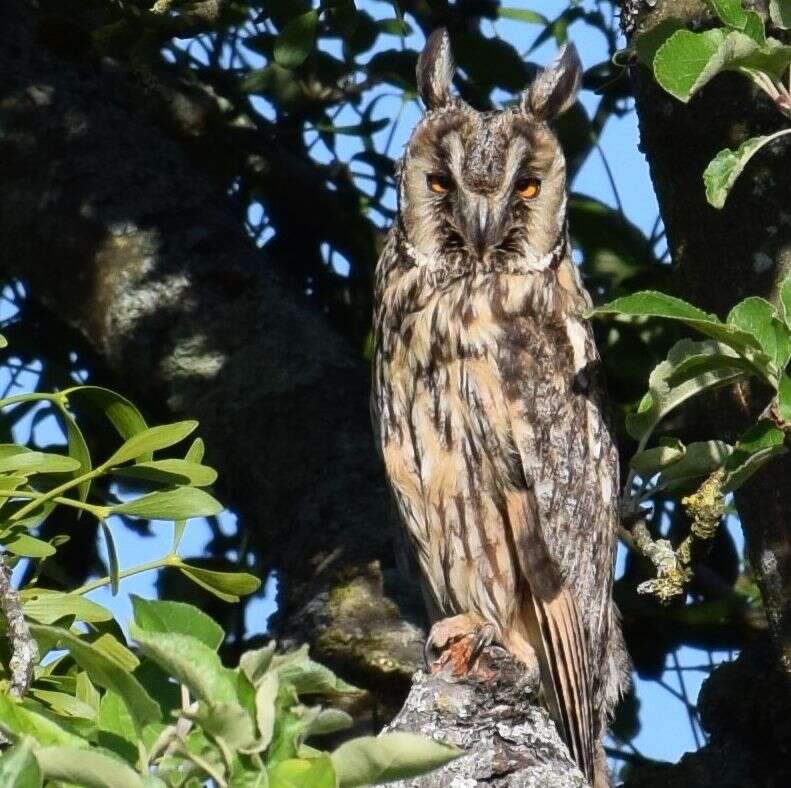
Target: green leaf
165, 616
730, 12
303, 773
254, 664
687, 60
649, 42
753, 450
662, 396
520, 15
18, 767
170, 471
296, 40
25, 545
115, 718
228, 722
723, 170
650, 303
86, 768
105, 671
64, 704
29, 718
46, 607
29, 462
265, 713
758, 317
3, 341
86, 692
701, 458
309, 677
391, 756
785, 300
228, 586
709, 356
121, 413
784, 398
78, 450
152, 439
179, 504
112, 557
780, 13
650, 461
190, 661
330, 721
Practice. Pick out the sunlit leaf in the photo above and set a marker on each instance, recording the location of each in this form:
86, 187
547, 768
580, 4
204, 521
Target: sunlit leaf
228, 586
152, 439
723, 170
166, 616
46, 607
106, 672
179, 504
753, 450
391, 756
303, 773
18, 767
87, 768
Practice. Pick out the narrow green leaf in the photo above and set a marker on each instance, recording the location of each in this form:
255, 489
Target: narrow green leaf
178, 617
46, 607
190, 661
520, 15
391, 756
78, 450
196, 451
86, 692
86, 768
228, 586
152, 439
303, 773
115, 718
106, 672
112, 557
3, 341
18, 767
296, 40
170, 471
29, 462
179, 504
121, 413
724, 169
23, 544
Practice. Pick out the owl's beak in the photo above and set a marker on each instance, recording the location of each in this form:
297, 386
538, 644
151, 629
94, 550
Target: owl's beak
481, 226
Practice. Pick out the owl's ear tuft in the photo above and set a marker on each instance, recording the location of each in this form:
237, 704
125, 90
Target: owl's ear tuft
435, 68
555, 88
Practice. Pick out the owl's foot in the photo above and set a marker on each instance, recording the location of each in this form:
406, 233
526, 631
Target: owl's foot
459, 642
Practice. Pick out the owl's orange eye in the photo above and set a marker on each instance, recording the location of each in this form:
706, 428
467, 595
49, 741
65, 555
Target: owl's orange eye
439, 184
528, 188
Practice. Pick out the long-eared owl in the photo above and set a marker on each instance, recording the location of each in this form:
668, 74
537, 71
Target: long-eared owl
488, 401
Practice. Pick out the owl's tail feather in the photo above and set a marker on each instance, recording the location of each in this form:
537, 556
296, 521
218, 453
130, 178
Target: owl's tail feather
549, 619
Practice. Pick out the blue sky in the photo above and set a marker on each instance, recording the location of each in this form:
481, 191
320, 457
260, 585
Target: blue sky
666, 732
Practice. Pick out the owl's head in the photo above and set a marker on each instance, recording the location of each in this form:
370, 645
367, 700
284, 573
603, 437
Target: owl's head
483, 190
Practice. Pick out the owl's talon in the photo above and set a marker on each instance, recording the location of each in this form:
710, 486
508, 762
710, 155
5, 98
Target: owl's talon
459, 642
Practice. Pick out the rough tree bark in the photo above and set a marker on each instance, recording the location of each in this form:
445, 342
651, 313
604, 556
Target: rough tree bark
116, 231
720, 257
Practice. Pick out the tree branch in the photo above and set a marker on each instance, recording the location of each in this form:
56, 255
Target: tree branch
24, 651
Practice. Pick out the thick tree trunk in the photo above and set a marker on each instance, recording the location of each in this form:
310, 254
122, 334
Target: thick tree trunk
720, 257
114, 230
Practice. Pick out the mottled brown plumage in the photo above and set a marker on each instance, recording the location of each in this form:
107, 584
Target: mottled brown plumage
488, 399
